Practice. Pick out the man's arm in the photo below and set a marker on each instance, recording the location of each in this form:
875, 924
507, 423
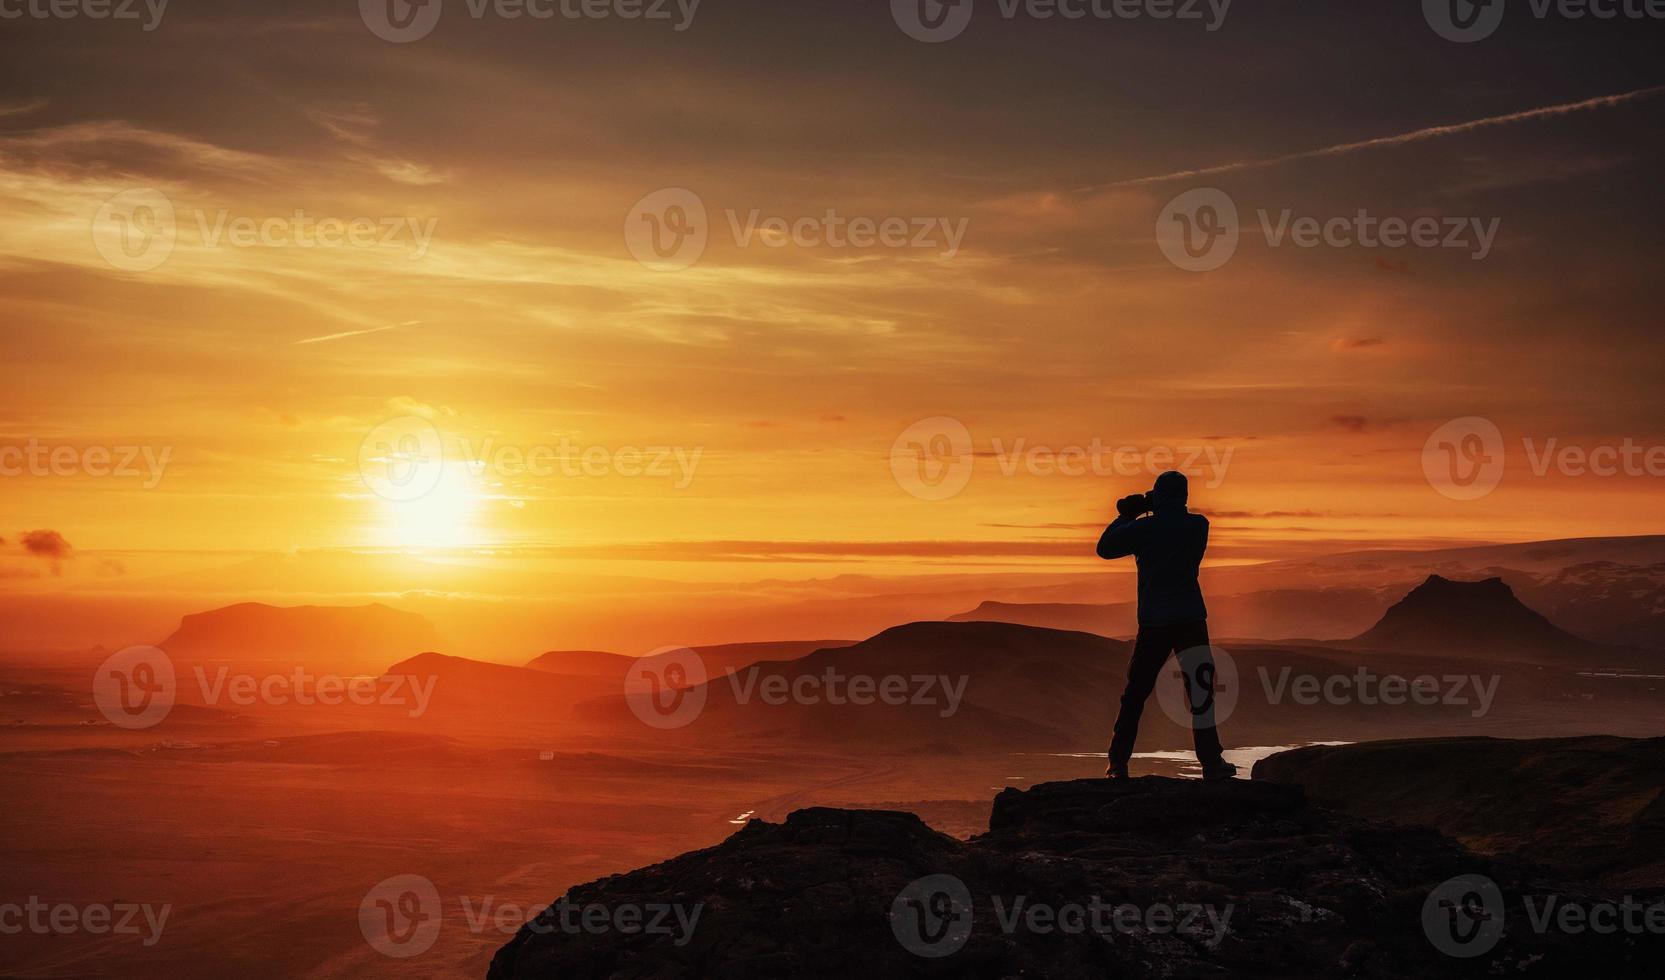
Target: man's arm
1120, 539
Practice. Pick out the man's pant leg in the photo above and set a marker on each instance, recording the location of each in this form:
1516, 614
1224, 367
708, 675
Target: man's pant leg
1150, 652
1190, 640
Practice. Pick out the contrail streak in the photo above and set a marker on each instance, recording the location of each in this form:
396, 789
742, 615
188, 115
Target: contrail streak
355, 333
1414, 136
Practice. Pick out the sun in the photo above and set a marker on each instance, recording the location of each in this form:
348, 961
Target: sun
444, 517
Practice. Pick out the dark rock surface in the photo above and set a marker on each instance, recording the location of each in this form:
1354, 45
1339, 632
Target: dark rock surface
1589, 808
1299, 891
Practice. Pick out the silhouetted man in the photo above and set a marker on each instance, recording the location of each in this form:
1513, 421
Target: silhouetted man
1168, 545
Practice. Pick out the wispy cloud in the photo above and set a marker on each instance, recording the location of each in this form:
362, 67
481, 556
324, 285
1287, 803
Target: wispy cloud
356, 333
355, 125
1414, 136
113, 141
19, 108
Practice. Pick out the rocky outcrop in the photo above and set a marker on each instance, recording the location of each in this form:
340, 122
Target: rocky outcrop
1590, 808
1145, 878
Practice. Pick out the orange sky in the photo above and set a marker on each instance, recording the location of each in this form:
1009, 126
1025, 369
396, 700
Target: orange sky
506, 304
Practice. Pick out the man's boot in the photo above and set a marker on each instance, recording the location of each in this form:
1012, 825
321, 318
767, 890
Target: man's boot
1218, 771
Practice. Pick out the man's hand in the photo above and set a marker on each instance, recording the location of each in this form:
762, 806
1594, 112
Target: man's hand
1132, 506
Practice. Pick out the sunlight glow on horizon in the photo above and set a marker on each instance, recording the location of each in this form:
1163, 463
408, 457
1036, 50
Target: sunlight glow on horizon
445, 517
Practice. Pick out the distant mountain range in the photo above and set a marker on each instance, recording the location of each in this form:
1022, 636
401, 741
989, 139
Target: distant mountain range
545, 691
500, 695
975, 685
359, 639
1605, 590
719, 659
1017, 688
1275, 614
1609, 590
